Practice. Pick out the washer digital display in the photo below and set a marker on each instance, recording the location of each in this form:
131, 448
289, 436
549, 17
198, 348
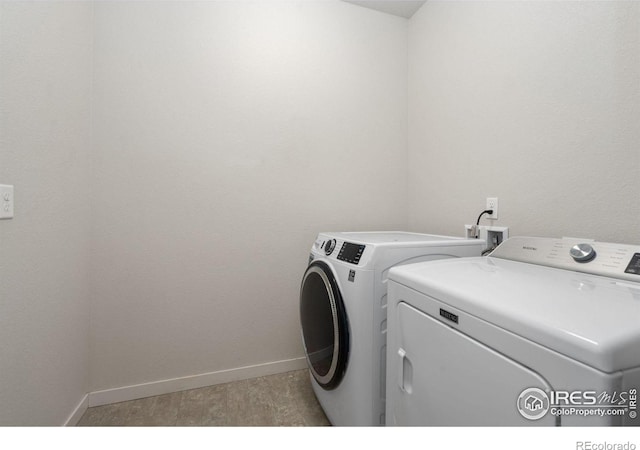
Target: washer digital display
351, 253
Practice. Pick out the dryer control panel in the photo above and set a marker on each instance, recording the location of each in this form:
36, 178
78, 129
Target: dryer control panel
598, 258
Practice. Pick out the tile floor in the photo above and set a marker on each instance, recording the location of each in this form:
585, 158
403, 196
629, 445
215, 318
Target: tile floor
284, 399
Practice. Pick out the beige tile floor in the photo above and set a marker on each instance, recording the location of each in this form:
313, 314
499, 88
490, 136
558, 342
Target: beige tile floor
284, 399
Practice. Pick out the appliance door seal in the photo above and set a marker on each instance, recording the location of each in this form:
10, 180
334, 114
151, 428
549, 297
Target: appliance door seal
325, 327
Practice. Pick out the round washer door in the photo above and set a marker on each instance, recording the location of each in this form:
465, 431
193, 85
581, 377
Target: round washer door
325, 328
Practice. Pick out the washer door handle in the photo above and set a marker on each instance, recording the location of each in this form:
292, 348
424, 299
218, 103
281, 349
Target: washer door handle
405, 377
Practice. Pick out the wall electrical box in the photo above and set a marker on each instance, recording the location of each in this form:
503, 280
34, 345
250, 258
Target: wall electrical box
493, 236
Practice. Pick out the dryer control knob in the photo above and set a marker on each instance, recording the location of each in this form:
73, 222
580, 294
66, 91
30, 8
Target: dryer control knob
329, 246
582, 253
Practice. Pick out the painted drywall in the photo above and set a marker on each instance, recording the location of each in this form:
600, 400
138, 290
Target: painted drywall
227, 135
45, 142
536, 103
399, 8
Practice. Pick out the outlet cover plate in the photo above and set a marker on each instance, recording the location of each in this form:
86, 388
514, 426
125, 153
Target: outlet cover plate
492, 203
6, 201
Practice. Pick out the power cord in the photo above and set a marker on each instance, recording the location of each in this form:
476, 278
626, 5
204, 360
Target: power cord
486, 211
475, 228
489, 250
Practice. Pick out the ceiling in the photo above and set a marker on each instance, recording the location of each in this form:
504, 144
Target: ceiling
400, 8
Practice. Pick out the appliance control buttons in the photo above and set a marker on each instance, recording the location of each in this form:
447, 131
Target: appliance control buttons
582, 253
329, 246
351, 253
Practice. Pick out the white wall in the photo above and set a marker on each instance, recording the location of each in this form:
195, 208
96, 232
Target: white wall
228, 134
45, 138
537, 103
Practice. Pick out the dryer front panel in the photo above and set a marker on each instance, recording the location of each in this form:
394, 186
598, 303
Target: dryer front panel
443, 377
325, 328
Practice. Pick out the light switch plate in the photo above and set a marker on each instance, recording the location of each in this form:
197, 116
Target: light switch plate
6, 201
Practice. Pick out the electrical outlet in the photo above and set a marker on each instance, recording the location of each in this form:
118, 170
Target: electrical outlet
6, 201
492, 203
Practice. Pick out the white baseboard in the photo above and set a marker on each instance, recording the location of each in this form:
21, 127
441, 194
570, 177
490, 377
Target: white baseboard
77, 413
126, 393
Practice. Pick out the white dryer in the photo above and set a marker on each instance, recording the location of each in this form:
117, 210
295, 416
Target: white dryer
541, 332
343, 301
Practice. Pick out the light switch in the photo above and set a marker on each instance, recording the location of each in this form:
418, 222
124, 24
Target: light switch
6, 201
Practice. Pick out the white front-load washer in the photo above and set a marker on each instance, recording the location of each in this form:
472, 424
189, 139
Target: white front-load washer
343, 301
541, 332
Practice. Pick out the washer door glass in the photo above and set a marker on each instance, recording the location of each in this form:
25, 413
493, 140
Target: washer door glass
325, 329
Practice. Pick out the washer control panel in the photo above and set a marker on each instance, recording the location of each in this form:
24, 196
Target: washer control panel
597, 258
351, 253
329, 246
